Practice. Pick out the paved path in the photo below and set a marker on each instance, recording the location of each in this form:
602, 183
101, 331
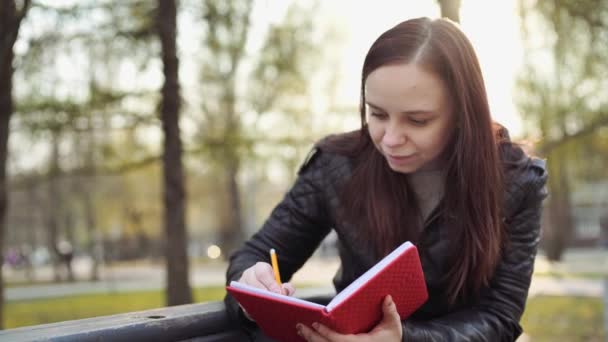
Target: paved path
316, 274
554, 286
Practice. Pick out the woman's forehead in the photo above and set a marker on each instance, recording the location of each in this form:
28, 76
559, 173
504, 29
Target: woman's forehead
391, 85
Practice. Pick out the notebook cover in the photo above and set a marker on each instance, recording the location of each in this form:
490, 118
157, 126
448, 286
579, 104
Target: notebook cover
402, 278
276, 318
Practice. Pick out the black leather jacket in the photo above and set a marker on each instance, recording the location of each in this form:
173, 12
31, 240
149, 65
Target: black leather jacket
307, 214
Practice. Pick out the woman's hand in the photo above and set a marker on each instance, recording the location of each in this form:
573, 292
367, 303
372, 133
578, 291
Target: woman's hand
389, 328
261, 276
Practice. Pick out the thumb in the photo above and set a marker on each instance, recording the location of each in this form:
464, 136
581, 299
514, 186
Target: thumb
390, 317
389, 311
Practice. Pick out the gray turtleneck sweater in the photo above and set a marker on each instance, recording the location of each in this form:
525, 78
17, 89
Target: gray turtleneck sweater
428, 186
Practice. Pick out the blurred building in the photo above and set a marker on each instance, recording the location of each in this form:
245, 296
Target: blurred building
589, 205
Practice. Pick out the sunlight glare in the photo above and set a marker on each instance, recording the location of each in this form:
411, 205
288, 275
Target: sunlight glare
214, 252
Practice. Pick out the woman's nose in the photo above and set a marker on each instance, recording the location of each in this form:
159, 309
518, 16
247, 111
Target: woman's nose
393, 136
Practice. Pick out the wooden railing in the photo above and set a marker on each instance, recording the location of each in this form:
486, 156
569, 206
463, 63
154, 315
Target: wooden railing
205, 322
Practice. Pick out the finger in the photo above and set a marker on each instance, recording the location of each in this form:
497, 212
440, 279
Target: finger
250, 279
390, 313
246, 275
255, 283
327, 333
288, 289
265, 275
391, 322
309, 334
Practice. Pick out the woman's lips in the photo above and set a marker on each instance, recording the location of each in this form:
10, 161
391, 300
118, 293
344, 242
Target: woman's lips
400, 160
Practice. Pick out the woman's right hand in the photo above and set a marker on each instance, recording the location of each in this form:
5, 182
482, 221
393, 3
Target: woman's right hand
261, 276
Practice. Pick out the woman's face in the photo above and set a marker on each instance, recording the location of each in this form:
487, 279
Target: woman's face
409, 115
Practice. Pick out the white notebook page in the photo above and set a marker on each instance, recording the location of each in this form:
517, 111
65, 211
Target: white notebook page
340, 297
267, 293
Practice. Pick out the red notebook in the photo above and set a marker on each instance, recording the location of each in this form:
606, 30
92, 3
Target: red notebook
356, 309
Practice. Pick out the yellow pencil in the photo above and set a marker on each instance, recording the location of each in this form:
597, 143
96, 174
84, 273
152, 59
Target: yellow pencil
275, 265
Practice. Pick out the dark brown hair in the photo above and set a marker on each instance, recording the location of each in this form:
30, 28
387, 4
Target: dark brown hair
380, 201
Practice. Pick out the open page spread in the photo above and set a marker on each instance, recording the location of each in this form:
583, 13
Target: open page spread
355, 310
281, 297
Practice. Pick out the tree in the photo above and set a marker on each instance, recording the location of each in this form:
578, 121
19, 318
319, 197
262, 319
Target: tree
558, 92
285, 80
450, 9
65, 111
126, 33
58, 119
227, 26
178, 288
10, 22
277, 76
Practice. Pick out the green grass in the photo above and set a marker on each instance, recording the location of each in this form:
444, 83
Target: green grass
551, 318
41, 311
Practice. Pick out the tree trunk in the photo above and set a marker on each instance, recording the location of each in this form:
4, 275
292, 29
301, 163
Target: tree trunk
6, 110
232, 228
32, 230
53, 209
70, 238
93, 245
89, 185
450, 9
178, 288
10, 21
559, 229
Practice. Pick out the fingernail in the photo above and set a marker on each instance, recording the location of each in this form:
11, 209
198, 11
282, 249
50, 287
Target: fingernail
315, 325
299, 329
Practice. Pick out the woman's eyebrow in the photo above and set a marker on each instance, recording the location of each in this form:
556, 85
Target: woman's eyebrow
374, 106
408, 112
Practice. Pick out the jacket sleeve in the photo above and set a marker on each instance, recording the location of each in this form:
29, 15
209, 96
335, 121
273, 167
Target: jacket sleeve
495, 317
294, 229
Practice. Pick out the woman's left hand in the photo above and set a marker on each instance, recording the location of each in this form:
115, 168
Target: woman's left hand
389, 328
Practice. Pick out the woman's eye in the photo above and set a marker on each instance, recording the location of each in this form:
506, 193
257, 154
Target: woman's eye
378, 115
419, 122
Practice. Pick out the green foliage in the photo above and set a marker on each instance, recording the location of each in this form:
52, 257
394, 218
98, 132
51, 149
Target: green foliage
88, 75
281, 80
32, 312
242, 86
227, 25
71, 89
284, 63
566, 55
565, 60
564, 319
92, 40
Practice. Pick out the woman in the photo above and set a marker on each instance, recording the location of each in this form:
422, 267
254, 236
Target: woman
429, 166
